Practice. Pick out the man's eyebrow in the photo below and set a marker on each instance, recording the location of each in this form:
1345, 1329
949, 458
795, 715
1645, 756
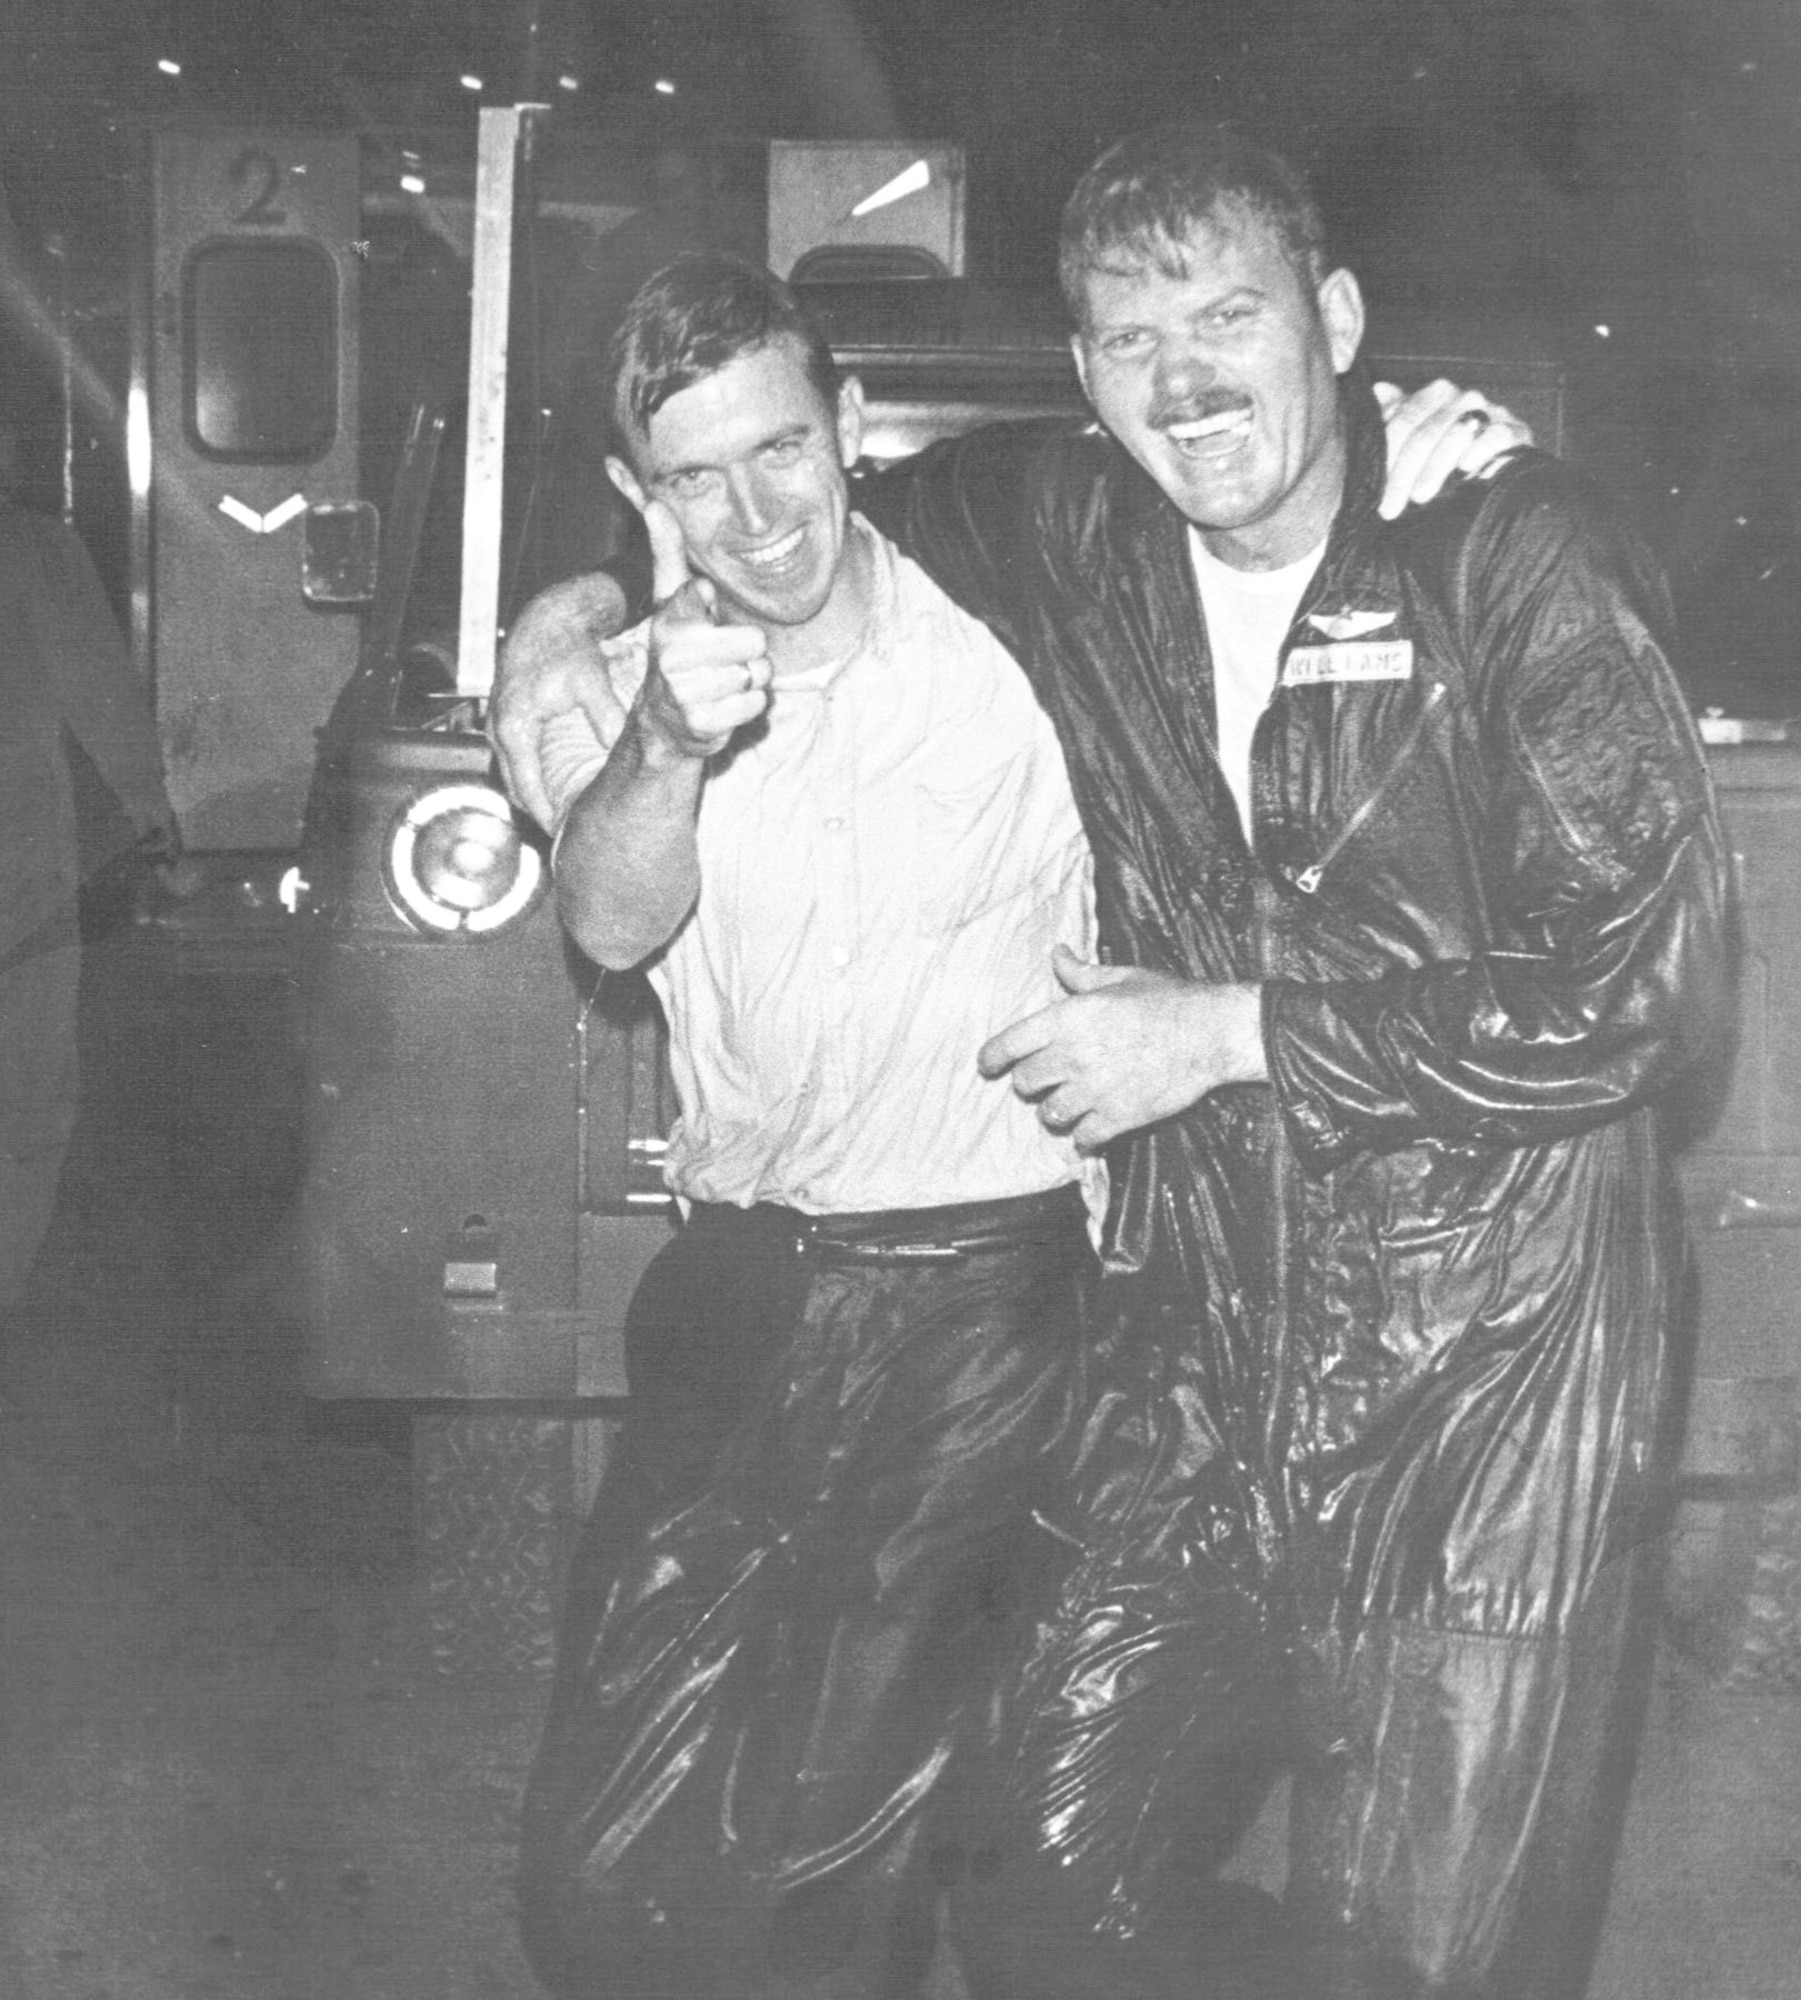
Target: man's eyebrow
800, 428
1124, 318
1240, 294
687, 466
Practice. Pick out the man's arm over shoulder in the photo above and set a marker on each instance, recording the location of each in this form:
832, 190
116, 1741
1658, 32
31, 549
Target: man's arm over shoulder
1602, 854
962, 510
980, 511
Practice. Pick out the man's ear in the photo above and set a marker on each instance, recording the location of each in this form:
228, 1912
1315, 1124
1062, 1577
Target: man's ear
626, 480
851, 413
1341, 308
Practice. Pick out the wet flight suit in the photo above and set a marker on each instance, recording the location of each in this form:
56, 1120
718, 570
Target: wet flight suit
1380, 1370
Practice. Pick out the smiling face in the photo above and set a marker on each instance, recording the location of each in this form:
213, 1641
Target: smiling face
751, 459
1217, 366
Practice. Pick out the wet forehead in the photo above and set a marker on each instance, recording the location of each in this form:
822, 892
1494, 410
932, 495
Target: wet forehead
1229, 250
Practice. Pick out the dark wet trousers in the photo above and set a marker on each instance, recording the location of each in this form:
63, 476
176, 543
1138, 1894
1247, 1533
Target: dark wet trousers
1455, 1808
814, 1548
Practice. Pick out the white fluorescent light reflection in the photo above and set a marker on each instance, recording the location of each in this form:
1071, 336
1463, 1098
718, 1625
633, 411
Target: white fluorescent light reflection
412, 184
663, 87
910, 180
470, 82
168, 67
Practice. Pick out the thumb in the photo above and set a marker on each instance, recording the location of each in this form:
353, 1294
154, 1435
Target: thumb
669, 571
1083, 975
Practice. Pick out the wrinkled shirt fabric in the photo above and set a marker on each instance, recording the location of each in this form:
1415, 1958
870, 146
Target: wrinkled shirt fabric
888, 864
1380, 1381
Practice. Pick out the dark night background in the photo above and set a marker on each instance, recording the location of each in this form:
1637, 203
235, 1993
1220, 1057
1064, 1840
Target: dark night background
1607, 183
1573, 157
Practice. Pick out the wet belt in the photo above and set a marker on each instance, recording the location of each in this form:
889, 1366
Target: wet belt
909, 1235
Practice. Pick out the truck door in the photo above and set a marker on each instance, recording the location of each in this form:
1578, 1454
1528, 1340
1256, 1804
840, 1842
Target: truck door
252, 418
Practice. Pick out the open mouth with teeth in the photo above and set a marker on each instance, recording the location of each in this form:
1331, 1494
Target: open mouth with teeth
1211, 436
774, 558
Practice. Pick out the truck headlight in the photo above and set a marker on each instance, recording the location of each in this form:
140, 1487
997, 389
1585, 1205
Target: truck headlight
457, 861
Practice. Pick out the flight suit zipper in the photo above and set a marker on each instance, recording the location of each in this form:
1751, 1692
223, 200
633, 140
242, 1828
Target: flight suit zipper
1308, 880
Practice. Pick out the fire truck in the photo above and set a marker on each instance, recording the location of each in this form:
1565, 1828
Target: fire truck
343, 436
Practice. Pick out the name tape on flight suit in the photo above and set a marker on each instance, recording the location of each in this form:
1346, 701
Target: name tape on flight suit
1351, 660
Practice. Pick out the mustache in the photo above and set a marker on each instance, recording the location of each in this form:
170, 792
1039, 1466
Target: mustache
1195, 409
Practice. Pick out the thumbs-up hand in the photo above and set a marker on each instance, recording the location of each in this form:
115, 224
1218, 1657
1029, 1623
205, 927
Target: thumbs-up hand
707, 678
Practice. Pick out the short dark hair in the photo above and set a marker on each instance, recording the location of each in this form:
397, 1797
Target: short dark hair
1145, 195
689, 320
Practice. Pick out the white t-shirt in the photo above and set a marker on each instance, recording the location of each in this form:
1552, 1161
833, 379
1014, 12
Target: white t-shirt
884, 872
1248, 613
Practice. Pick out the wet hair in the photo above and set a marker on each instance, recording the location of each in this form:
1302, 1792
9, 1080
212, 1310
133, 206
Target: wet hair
688, 321
1145, 195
